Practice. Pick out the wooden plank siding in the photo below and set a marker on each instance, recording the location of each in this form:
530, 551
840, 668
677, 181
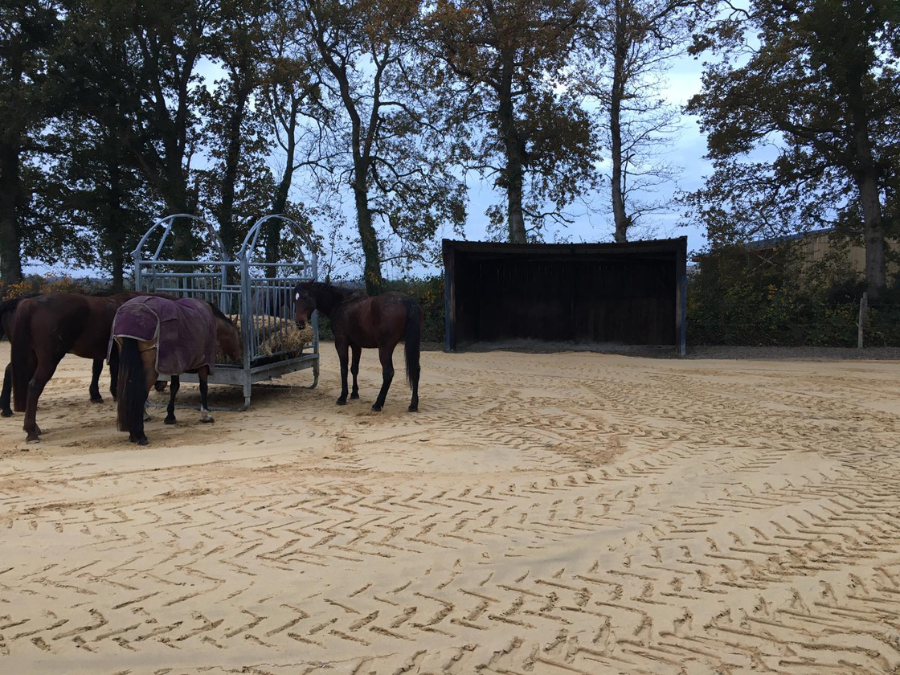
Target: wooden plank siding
601, 293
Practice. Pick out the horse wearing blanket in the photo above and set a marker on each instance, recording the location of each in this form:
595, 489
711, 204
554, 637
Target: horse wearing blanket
160, 337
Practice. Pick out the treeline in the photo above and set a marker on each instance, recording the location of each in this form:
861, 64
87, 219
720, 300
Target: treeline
114, 112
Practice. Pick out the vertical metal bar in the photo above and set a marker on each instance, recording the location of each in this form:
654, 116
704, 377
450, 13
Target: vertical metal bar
682, 339
246, 328
137, 269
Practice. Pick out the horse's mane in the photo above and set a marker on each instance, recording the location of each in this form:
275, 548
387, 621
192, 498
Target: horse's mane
218, 313
335, 294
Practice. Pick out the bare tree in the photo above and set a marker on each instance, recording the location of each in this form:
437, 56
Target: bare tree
298, 116
631, 43
384, 148
501, 66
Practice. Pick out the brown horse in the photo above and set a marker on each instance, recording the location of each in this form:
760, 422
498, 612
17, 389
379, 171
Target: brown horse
359, 321
7, 316
48, 327
158, 335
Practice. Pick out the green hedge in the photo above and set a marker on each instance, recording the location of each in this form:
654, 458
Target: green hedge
741, 298
737, 298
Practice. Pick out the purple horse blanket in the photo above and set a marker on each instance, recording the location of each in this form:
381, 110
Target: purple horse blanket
186, 331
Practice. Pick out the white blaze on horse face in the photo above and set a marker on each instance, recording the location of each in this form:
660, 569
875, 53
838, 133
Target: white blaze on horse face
297, 297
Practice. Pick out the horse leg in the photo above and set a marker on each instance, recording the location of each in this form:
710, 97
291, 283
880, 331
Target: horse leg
385, 355
342, 349
170, 418
203, 374
42, 375
5, 410
94, 389
354, 369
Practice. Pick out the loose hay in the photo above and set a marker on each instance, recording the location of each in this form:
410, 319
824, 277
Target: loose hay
275, 336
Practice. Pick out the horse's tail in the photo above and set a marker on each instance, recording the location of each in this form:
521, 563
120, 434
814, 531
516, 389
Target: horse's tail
131, 386
413, 338
23, 365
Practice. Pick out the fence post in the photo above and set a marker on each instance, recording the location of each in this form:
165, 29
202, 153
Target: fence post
863, 304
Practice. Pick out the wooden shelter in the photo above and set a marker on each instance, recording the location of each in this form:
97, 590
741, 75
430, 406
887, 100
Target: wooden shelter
633, 293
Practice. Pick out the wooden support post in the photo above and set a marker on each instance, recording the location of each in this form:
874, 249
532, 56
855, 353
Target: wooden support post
449, 297
681, 297
863, 305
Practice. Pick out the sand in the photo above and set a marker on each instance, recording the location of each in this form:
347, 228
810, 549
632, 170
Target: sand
543, 514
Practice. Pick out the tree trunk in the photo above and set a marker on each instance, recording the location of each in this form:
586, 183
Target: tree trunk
182, 228
232, 159
514, 205
866, 177
115, 230
10, 244
367, 235
279, 203
617, 187
515, 155
873, 232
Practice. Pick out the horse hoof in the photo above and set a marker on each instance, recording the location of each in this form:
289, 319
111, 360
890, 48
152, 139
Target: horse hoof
207, 419
354, 396
96, 399
169, 420
143, 441
376, 408
6, 413
33, 438
342, 401
413, 408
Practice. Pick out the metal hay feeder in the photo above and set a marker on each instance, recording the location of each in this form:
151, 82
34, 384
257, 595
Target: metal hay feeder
241, 287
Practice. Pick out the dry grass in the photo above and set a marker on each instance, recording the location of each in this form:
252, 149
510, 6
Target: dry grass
275, 336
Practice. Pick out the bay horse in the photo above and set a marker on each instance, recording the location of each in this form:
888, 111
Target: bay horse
45, 329
159, 336
7, 316
363, 322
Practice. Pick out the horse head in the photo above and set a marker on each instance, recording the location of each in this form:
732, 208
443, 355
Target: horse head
304, 304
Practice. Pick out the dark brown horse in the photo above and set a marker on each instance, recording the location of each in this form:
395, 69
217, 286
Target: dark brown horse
362, 322
7, 315
48, 327
174, 336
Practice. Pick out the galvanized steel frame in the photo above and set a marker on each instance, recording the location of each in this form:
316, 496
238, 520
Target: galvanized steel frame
213, 280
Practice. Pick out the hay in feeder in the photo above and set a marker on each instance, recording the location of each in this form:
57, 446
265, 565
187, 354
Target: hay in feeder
275, 337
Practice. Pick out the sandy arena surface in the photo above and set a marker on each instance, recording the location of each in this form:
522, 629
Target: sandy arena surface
542, 514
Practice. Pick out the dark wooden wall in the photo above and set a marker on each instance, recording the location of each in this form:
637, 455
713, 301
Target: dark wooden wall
626, 298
